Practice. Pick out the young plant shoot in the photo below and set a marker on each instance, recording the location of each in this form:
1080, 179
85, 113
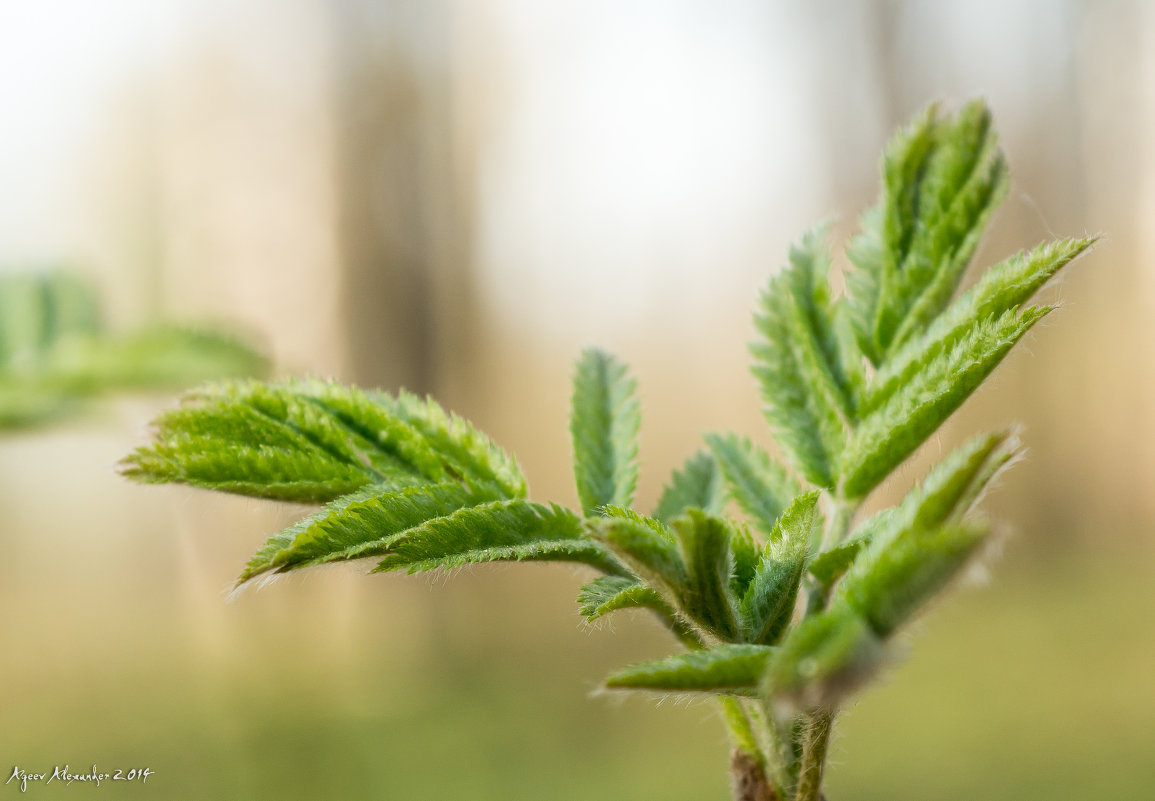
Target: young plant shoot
780, 612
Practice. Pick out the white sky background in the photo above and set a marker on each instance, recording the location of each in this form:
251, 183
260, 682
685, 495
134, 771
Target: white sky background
646, 158
647, 146
62, 62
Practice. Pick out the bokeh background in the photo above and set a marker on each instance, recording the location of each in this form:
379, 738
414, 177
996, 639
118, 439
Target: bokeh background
455, 197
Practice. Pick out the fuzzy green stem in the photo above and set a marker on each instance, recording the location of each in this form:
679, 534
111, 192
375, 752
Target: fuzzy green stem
783, 763
837, 527
838, 524
749, 777
740, 730
814, 755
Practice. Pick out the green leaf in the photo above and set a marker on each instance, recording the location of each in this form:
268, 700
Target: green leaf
236, 448
747, 554
164, 357
942, 179
604, 422
888, 227
949, 492
892, 580
822, 658
734, 669
54, 356
697, 485
893, 431
361, 524
797, 363
1002, 288
500, 531
761, 487
956, 483
768, 604
312, 442
607, 594
830, 565
466, 452
705, 596
965, 180
647, 548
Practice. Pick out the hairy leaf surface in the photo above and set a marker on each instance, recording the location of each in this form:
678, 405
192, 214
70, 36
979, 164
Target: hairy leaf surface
891, 581
312, 442
754, 481
361, 524
1002, 288
697, 485
768, 604
604, 423
705, 596
893, 431
942, 179
607, 594
647, 548
797, 363
500, 531
949, 492
735, 669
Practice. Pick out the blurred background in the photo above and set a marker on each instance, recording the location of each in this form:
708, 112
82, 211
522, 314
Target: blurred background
455, 197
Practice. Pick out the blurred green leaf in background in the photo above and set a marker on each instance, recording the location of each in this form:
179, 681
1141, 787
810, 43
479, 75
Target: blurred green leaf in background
56, 354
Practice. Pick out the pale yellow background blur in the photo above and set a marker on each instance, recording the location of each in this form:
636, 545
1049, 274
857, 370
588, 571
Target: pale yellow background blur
456, 197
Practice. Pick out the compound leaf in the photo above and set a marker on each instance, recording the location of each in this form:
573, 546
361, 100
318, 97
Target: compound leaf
312, 442
942, 179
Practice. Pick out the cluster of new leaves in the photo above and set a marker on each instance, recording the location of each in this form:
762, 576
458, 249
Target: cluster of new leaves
54, 353
852, 386
791, 601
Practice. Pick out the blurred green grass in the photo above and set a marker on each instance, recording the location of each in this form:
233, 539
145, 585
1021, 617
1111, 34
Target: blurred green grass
1037, 686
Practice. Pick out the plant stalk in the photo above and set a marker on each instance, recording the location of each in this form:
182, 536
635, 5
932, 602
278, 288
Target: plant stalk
838, 524
748, 780
814, 755
837, 528
782, 765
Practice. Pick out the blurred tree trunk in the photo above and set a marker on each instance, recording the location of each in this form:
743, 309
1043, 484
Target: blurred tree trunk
404, 220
